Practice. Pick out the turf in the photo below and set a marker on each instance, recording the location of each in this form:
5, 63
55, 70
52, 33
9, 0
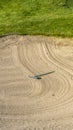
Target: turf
37, 17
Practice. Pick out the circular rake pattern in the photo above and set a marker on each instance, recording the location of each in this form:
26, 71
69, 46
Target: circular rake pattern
21, 95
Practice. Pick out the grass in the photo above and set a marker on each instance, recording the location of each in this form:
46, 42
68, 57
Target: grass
37, 17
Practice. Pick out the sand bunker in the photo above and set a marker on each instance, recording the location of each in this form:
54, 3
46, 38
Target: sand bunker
32, 104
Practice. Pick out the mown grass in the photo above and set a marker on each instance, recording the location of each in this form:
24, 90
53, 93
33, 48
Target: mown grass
37, 17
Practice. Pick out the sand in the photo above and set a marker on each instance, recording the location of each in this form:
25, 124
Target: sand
32, 104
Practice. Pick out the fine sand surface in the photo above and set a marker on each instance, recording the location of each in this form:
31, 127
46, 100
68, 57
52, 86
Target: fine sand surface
32, 104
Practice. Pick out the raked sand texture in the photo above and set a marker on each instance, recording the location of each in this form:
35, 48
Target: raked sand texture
32, 104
